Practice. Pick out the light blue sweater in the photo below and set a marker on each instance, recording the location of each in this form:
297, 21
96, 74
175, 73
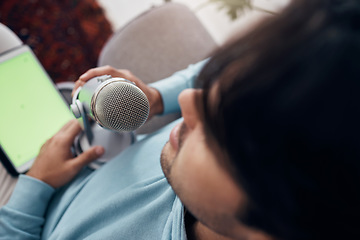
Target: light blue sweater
127, 198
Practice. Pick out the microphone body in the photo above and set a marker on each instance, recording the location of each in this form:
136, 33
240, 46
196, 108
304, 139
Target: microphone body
114, 103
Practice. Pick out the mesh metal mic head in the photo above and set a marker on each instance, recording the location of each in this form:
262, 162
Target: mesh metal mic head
120, 105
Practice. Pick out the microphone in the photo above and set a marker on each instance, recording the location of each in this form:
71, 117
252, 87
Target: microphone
114, 103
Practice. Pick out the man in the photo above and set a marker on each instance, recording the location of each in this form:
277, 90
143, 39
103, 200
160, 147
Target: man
268, 147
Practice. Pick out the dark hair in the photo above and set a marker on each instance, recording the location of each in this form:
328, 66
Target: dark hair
287, 114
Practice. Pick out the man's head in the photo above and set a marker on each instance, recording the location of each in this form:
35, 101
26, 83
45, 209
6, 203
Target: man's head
273, 138
196, 169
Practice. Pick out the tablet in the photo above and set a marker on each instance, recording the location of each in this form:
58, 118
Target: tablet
32, 110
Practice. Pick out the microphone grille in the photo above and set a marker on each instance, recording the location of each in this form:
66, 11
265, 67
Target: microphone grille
121, 106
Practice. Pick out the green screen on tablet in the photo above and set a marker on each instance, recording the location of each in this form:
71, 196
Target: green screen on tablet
31, 108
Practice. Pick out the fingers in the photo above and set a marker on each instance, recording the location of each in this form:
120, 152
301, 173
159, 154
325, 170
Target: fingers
91, 73
94, 72
73, 129
67, 125
78, 83
88, 156
68, 132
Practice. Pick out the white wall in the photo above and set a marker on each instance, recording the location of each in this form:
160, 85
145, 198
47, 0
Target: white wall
217, 22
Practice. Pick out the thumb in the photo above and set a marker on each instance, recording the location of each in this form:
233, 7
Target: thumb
89, 155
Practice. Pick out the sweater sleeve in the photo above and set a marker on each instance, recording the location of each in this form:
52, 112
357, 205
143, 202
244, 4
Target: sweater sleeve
23, 216
171, 87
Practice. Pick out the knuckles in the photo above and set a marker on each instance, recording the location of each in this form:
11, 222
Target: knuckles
58, 139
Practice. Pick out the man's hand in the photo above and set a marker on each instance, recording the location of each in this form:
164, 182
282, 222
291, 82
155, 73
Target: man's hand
55, 164
154, 97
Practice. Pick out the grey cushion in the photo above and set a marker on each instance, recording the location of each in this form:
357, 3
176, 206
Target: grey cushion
156, 44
